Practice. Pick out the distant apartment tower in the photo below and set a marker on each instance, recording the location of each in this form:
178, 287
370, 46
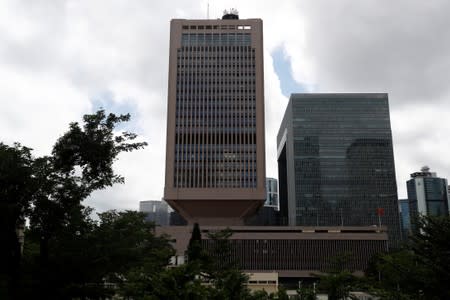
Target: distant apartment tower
427, 194
272, 193
215, 160
335, 161
156, 211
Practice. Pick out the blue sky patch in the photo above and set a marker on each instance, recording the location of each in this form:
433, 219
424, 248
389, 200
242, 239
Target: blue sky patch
283, 69
107, 100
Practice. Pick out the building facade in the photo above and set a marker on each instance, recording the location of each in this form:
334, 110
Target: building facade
335, 162
405, 219
215, 160
291, 251
269, 214
272, 193
427, 194
156, 211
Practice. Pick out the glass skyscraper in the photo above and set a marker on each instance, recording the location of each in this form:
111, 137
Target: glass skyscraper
336, 164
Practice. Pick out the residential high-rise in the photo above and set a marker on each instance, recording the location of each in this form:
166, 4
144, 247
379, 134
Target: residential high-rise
427, 194
215, 160
336, 164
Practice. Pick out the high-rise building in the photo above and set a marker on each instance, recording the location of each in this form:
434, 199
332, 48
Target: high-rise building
405, 219
215, 160
271, 193
156, 211
427, 194
448, 192
268, 215
336, 163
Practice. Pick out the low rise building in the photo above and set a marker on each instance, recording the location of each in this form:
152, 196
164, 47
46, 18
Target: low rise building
290, 251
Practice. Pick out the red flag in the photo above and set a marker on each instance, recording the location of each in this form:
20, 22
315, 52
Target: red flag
380, 212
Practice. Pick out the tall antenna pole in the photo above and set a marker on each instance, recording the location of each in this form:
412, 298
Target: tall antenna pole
207, 12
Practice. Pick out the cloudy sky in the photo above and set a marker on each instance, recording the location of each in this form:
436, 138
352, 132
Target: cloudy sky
62, 59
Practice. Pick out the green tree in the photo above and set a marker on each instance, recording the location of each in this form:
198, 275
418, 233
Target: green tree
50, 190
420, 270
81, 162
16, 189
228, 281
207, 275
194, 250
129, 254
431, 247
337, 285
307, 293
338, 281
182, 282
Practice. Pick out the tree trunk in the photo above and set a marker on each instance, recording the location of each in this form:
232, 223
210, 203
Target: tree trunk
43, 255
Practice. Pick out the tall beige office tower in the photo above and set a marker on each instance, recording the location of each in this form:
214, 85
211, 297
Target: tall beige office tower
215, 160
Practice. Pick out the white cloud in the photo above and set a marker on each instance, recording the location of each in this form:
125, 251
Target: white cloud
57, 57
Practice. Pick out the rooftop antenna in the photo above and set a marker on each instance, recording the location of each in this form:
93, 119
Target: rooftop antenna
207, 11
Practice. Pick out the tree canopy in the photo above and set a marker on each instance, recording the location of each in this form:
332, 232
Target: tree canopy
49, 190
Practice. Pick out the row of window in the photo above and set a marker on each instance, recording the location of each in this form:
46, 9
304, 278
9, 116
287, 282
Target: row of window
217, 93
243, 87
218, 183
231, 80
201, 178
211, 77
196, 113
222, 27
242, 54
192, 49
210, 166
215, 39
216, 70
216, 147
221, 98
216, 130
222, 120
206, 107
237, 127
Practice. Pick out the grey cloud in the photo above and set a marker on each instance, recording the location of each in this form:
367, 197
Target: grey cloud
402, 47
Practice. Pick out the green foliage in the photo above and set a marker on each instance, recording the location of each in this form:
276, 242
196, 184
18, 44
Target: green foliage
338, 281
120, 249
281, 294
16, 188
337, 285
194, 250
50, 190
420, 270
68, 255
230, 284
93, 148
306, 293
206, 276
221, 253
